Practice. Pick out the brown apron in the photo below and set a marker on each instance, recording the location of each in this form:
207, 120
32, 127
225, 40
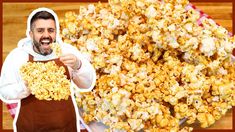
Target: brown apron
46, 116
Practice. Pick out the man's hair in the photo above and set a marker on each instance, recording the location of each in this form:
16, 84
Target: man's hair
41, 15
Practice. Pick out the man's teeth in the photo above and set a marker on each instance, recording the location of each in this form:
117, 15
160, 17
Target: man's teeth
45, 41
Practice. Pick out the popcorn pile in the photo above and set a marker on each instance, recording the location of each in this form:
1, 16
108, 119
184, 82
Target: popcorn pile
46, 80
155, 65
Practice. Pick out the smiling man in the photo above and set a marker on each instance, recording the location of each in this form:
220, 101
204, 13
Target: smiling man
35, 115
43, 32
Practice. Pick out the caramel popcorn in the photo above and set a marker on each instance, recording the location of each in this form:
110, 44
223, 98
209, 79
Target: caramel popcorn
57, 49
46, 80
155, 65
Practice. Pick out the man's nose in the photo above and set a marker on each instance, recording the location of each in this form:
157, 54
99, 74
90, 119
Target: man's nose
46, 33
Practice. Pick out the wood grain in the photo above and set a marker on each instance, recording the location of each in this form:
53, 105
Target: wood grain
14, 26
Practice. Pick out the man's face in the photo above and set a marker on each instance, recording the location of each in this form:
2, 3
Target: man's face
43, 33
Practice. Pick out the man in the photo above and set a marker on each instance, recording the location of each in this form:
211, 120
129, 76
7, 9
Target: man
35, 115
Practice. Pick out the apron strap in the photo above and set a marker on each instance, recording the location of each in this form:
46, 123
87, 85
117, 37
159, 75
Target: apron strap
30, 58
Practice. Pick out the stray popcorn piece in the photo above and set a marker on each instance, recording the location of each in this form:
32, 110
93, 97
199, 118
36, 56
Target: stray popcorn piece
208, 46
136, 124
46, 80
56, 49
186, 129
205, 119
155, 65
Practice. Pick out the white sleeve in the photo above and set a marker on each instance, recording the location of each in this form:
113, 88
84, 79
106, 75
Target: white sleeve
86, 75
12, 87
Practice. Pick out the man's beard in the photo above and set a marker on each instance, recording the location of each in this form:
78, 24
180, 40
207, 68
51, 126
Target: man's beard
37, 46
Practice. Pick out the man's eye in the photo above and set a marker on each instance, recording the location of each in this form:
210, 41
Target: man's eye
51, 30
40, 31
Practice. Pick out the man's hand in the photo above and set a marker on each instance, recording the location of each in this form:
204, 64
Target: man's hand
26, 83
70, 60
27, 86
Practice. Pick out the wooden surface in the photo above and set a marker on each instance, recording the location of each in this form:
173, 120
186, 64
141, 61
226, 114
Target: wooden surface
14, 26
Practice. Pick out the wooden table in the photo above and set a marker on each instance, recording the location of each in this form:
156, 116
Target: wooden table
14, 26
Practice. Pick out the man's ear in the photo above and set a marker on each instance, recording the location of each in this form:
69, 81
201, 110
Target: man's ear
31, 34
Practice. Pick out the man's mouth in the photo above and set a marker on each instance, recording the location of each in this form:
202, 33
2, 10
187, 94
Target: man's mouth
45, 42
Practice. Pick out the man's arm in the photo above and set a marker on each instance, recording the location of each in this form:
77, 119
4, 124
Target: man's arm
81, 71
12, 87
